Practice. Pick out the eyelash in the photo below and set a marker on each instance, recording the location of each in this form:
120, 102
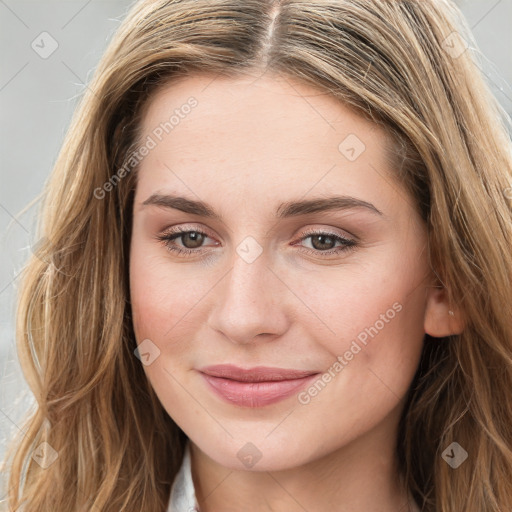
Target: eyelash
348, 244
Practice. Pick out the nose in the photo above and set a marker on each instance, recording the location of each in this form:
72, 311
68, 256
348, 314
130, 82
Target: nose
250, 302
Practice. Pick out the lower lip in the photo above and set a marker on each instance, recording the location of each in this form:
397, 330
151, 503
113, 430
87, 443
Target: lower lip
256, 394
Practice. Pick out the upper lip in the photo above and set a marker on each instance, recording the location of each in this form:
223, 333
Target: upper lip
254, 374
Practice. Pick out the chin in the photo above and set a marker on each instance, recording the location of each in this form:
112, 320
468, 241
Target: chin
257, 455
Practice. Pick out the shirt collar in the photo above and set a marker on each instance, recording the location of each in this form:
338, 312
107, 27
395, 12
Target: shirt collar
183, 495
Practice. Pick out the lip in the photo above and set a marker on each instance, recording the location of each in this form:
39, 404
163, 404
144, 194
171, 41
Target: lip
257, 386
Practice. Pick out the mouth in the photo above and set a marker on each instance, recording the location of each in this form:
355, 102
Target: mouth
257, 386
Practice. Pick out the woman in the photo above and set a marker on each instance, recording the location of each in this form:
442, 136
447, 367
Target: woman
275, 269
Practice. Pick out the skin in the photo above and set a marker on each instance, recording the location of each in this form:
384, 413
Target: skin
249, 145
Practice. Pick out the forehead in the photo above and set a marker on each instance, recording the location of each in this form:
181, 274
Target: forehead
255, 105
270, 134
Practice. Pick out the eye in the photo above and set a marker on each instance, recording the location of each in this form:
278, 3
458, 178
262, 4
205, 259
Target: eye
323, 243
191, 240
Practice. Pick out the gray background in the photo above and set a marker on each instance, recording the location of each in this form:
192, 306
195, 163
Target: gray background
37, 98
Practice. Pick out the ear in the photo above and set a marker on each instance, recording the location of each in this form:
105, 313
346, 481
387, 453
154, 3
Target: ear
441, 318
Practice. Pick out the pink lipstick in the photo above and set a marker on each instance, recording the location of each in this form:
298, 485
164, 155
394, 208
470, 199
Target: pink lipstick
257, 386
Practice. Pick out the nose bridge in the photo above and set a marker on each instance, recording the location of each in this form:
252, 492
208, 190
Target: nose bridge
248, 279
247, 301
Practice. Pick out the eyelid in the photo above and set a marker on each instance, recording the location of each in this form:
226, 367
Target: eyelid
185, 228
299, 236
347, 235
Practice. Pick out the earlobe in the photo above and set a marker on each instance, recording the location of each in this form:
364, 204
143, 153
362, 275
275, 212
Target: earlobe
441, 318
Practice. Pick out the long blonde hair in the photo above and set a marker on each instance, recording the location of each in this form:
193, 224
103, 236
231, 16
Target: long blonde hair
399, 63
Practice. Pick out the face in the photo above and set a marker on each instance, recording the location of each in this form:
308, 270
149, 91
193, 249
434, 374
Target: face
268, 231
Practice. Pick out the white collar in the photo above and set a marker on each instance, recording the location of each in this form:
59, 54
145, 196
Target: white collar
183, 495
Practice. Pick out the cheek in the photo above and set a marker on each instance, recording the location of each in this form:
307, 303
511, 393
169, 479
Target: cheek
375, 318
160, 301
165, 297
363, 301
147, 299
153, 305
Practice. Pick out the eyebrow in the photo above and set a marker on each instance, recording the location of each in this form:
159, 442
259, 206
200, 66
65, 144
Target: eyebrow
284, 210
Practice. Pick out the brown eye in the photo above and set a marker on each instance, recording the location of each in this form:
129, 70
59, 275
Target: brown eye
190, 239
322, 242
327, 244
